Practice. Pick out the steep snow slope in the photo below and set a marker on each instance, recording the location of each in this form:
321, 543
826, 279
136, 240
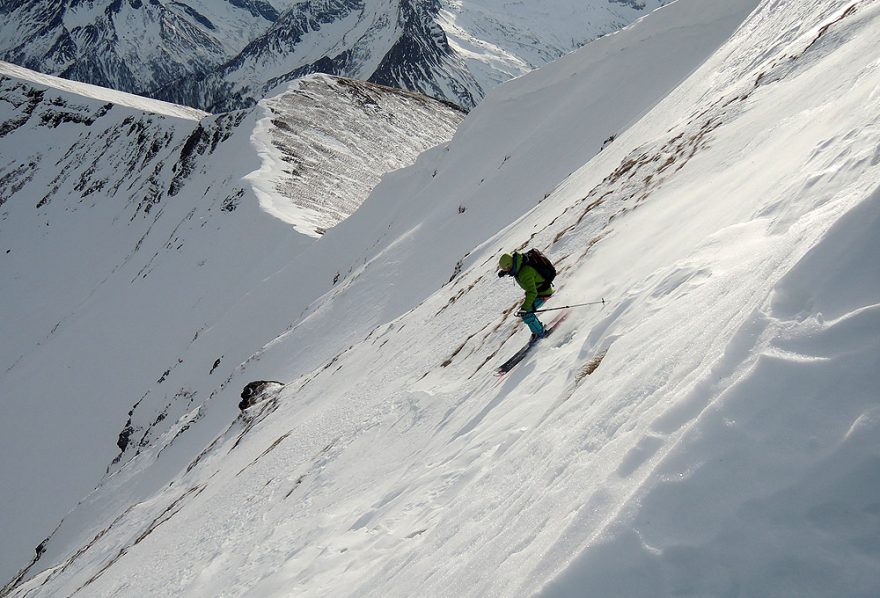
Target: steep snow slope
493, 172
126, 235
535, 135
712, 431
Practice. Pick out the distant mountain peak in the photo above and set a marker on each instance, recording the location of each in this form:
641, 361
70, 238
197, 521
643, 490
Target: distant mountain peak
227, 55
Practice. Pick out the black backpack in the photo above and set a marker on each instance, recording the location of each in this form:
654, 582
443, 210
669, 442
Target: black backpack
545, 268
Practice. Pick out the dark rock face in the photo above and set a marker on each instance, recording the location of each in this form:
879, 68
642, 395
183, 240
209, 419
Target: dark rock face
125, 436
257, 8
257, 391
423, 48
203, 140
419, 59
214, 89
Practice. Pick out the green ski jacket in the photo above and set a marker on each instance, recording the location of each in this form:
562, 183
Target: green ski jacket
530, 280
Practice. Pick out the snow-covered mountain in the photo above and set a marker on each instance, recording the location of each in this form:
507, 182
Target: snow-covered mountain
129, 227
130, 45
226, 55
712, 172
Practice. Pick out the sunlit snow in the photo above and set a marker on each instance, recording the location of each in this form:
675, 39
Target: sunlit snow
713, 173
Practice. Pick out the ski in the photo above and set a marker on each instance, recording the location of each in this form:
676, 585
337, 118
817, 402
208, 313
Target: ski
521, 354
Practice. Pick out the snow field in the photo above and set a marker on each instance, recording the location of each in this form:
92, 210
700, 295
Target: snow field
124, 293
725, 444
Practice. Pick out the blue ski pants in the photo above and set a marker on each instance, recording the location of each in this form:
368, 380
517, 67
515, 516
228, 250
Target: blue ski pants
532, 320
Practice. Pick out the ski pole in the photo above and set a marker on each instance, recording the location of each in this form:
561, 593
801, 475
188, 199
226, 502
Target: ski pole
537, 311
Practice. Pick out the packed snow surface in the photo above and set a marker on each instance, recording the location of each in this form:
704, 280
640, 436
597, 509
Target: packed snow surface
711, 430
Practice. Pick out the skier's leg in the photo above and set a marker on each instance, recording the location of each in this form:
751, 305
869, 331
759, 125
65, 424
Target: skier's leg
532, 320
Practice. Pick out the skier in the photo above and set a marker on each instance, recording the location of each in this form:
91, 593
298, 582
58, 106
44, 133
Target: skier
534, 273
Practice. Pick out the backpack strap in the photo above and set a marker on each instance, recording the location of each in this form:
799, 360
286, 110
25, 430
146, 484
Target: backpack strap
514, 270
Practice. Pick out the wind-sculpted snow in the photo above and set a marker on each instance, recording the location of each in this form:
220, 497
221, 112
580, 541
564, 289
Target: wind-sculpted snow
316, 173
779, 468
